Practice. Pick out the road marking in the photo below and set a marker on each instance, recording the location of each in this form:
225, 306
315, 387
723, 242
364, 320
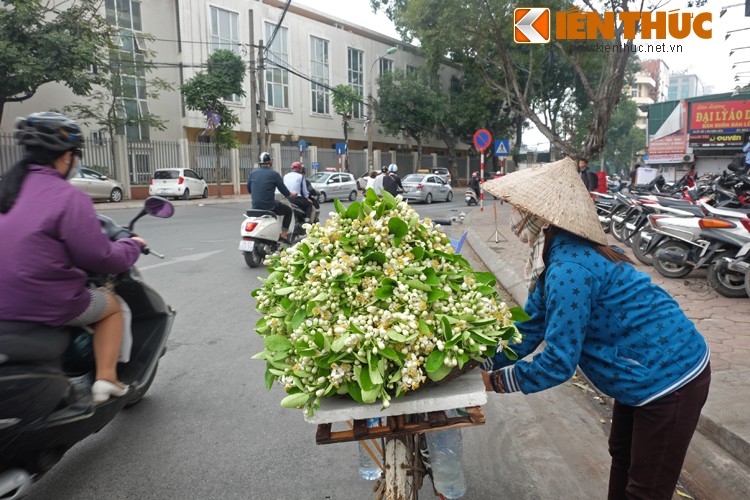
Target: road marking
187, 258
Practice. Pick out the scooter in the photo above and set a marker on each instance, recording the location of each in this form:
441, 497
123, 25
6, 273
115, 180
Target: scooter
471, 197
46, 373
260, 232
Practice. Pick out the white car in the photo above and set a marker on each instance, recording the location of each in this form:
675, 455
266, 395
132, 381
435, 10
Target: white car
177, 183
426, 188
331, 185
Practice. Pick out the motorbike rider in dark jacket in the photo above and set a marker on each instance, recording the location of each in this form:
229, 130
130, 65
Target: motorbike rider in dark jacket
474, 183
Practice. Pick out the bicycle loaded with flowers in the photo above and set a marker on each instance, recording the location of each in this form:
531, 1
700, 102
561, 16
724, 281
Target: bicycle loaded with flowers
375, 304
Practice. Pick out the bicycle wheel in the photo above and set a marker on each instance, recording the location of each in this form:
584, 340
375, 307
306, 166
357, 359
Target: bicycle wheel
403, 472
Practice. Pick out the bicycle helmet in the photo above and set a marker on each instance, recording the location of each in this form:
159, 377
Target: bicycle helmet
50, 131
393, 167
474, 174
296, 166
264, 158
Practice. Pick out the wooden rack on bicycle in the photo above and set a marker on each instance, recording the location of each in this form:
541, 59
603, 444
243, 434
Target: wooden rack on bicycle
400, 425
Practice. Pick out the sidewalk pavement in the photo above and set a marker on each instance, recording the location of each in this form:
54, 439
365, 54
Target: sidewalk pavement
718, 463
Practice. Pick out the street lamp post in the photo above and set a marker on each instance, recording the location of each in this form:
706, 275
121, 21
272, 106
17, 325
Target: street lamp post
371, 109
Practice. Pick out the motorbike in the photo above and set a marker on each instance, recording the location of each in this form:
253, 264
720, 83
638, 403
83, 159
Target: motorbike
260, 232
471, 197
46, 373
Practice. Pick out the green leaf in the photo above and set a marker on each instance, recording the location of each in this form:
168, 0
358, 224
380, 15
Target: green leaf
261, 355
284, 291
353, 211
485, 278
432, 278
371, 197
436, 294
518, 315
485, 290
510, 353
484, 322
418, 285
269, 379
378, 257
397, 227
339, 343
395, 336
353, 388
389, 201
277, 343
295, 400
447, 330
372, 367
321, 297
363, 377
298, 318
418, 253
434, 361
391, 354
339, 206
370, 396
384, 292
424, 328
440, 373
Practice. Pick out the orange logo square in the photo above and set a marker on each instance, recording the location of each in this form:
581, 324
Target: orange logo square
531, 25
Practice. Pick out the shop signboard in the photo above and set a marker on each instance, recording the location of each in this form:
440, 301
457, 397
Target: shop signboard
721, 117
716, 140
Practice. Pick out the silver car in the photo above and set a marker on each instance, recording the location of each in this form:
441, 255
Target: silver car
426, 188
98, 186
332, 185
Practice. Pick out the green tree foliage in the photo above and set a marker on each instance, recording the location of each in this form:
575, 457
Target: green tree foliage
548, 84
43, 42
344, 99
207, 91
409, 104
623, 138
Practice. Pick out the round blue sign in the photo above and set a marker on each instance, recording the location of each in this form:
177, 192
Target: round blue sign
482, 138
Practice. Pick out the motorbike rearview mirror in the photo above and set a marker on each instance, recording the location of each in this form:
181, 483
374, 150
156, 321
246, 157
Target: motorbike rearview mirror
156, 206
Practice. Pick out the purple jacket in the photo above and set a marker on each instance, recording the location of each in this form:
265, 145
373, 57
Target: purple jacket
48, 240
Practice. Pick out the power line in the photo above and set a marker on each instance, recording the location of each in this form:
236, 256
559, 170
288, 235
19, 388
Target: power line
278, 25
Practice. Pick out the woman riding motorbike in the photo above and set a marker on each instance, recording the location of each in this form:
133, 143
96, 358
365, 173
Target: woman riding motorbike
52, 238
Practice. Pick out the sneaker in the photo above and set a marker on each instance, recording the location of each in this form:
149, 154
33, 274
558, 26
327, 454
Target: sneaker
103, 389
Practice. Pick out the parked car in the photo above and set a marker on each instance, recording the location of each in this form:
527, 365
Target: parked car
98, 186
443, 173
426, 188
331, 185
178, 183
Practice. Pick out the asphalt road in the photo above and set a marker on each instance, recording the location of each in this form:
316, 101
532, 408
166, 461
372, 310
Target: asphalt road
209, 429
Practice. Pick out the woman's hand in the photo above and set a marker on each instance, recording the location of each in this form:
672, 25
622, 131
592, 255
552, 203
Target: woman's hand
486, 380
139, 240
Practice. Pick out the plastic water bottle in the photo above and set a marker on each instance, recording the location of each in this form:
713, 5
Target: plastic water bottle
368, 469
446, 460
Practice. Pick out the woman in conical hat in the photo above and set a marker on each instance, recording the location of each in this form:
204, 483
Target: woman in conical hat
593, 309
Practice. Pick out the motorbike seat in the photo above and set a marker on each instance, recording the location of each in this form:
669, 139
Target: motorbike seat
26, 342
260, 213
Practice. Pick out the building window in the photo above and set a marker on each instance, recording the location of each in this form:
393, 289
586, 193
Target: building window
277, 78
319, 71
386, 66
633, 93
129, 69
356, 78
225, 32
225, 35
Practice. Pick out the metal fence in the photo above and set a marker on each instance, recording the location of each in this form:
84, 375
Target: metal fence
426, 161
146, 157
248, 161
203, 161
405, 162
290, 154
327, 158
10, 154
98, 155
443, 162
358, 163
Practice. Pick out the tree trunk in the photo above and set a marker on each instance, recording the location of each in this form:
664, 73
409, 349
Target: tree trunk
2, 107
346, 145
218, 171
519, 140
419, 152
450, 144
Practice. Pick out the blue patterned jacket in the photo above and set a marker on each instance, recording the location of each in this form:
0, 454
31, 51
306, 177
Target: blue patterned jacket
629, 336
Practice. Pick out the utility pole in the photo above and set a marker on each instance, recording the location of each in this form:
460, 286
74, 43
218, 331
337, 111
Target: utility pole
262, 95
254, 153
370, 125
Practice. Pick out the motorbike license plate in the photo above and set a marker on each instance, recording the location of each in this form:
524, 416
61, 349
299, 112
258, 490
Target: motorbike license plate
246, 246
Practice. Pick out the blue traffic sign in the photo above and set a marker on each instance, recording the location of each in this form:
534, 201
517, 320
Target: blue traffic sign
340, 148
302, 145
482, 139
502, 147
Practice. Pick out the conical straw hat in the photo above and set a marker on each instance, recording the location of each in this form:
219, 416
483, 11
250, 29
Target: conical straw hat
554, 192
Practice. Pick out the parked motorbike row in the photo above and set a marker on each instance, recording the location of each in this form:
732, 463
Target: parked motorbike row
694, 224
